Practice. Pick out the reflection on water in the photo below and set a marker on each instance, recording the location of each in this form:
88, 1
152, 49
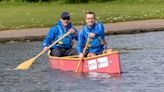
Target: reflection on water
141, 55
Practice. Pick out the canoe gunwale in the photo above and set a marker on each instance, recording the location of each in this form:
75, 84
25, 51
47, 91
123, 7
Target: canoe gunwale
76, 56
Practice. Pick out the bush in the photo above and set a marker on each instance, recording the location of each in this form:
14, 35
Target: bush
37, 0
102, 0
27, 0
76, 1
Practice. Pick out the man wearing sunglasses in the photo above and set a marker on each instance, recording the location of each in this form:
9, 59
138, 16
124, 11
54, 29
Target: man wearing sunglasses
64, 46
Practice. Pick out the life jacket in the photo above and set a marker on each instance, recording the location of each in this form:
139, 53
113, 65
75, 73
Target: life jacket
95, 42
66, 42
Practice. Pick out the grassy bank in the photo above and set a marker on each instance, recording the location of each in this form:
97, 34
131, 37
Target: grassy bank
28, 15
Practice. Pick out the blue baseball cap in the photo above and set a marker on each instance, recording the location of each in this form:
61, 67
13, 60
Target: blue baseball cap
65, 16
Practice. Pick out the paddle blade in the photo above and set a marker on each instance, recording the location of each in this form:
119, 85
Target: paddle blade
26, 64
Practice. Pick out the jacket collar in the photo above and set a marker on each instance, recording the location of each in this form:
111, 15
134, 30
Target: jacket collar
59, 23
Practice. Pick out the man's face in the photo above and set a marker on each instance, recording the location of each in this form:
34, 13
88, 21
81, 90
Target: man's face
65, 22
90, 19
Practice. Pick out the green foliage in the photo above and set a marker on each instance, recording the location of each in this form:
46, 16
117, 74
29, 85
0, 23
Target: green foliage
86, 1
76, 1
27, 0
37, 0
101, 0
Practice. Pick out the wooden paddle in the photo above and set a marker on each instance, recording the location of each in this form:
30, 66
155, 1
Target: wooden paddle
26, 64
84, 50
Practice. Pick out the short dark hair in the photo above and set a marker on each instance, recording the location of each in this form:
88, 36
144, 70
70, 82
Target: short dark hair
90, 12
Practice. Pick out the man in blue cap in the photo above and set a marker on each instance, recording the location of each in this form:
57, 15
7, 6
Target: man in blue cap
63, 47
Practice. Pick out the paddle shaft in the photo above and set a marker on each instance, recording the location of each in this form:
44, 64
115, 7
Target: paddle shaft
84, 50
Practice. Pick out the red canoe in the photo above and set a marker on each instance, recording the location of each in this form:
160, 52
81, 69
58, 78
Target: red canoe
105, 63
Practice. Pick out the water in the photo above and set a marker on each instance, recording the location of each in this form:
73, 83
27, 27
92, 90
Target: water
142, 62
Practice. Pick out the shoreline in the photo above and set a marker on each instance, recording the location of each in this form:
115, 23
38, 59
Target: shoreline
129, 27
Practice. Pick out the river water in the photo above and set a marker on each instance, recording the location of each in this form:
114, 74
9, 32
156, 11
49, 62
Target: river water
142, 62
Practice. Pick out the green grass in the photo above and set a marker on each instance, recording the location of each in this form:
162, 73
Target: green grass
28, 15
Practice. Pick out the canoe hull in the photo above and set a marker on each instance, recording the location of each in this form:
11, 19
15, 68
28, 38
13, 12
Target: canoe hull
106, 63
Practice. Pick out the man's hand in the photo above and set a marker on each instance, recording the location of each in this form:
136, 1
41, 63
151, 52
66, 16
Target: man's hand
71, 30
45, 48
91, 35
81, 56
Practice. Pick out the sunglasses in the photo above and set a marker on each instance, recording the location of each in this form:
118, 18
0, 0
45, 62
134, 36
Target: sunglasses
66, 18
